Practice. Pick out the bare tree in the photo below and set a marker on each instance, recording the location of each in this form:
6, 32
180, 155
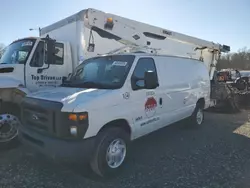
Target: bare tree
239, 60
2, 46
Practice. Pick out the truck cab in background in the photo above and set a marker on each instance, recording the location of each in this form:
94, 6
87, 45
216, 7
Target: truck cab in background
34, 63
26, 66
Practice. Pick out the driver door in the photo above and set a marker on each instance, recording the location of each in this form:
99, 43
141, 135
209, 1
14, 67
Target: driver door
147, 103
38, 73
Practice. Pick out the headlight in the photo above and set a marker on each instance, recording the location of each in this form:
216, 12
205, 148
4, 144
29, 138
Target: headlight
78, 124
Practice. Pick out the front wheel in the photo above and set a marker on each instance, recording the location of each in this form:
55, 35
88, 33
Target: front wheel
8, 131
110, 152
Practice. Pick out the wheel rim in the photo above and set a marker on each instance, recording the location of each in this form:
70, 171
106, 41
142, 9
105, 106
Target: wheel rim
199, 116
116, 153
8, 127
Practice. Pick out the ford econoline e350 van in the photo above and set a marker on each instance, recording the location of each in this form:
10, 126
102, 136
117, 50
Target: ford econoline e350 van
111, 100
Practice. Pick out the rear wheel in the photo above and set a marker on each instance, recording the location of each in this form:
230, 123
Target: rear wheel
111, 152
197, 117
234, 103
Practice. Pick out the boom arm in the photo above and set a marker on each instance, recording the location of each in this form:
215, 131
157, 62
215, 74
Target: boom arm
139, 35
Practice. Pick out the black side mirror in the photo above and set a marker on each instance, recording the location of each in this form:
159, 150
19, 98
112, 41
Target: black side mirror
50, 50
64, 78
150, 80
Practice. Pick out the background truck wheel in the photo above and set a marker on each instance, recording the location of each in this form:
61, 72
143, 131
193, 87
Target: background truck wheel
233, 103
197, 117
110, 152
8, 131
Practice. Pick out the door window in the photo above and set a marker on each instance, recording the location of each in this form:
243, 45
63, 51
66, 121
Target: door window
59, 54
143, 65
39, 56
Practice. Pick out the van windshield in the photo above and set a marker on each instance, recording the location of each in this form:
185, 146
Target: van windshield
105, 72
17, 52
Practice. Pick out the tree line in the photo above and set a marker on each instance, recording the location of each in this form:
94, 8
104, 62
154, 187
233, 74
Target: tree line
238, 60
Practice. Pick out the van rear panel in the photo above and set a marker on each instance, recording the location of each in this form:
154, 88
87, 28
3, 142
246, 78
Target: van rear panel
183, 75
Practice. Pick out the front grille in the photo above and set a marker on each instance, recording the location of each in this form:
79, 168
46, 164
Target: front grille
40, 115
37, 118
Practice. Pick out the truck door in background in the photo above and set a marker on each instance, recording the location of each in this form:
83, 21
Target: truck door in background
38, 73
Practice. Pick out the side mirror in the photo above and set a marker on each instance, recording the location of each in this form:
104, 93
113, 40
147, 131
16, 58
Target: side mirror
64, 78
150, 80
50, 50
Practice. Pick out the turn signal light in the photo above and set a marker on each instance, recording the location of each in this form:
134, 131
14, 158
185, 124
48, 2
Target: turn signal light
73, 117
76, 117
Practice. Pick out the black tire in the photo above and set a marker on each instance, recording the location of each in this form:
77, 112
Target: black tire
8, 131
197, 118
233, 103
10, 145
99, 162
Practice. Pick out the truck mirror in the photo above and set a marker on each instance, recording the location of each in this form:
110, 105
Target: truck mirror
50, 50
150, 80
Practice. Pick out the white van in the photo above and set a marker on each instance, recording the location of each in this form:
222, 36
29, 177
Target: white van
111, 100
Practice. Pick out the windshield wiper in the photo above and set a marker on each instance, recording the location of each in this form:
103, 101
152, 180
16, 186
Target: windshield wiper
91, 84
88, 84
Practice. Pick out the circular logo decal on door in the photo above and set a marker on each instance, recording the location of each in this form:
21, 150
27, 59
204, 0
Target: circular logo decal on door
150, 107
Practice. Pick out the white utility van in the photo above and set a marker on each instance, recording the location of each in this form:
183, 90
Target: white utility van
111, 100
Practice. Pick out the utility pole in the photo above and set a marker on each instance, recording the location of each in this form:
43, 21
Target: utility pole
39, 30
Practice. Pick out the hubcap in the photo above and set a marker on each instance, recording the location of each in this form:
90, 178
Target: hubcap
116, 153
199, 116
8, 127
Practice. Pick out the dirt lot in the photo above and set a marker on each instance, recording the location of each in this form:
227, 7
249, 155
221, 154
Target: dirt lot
215, 155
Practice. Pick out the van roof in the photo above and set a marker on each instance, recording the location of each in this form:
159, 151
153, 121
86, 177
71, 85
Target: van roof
153, 55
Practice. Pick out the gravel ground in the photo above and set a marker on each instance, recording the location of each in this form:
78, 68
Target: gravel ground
215, 155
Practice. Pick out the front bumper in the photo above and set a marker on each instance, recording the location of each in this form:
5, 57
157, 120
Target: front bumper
59, 149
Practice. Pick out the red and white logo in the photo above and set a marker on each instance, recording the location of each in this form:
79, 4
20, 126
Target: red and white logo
150, 107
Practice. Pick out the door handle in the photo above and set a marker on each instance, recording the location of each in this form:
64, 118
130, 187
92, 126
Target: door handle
160, 101
185, 100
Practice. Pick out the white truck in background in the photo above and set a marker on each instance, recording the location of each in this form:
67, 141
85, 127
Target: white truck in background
34, 63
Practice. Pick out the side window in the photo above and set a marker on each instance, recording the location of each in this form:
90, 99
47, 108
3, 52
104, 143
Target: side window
143, 65
59, 53
38, 57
